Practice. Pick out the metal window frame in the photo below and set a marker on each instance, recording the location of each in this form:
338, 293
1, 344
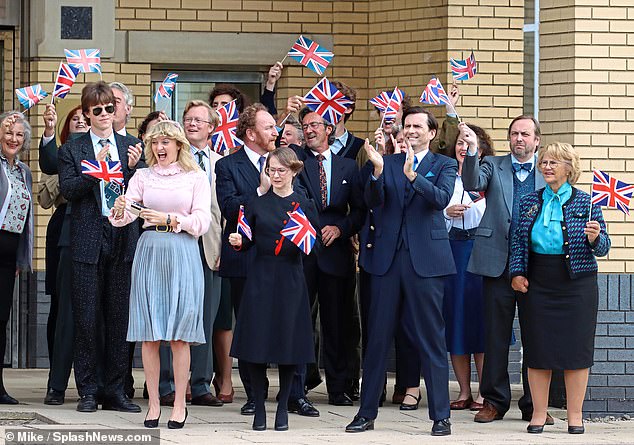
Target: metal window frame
534, 28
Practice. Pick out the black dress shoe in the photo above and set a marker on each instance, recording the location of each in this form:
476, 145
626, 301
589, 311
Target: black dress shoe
87, 404
303, 407
353, 391
410, 406
360, 424
206, 400
120, 403
248, 409
174, 425
441, 428
151, 423
6, 399
281, 420
339, 399
576, 429
535, 429
129, 392
54, 397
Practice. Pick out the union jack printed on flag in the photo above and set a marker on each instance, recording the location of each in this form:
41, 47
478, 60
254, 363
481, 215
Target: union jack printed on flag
243, 225
610, 192
108, 171
166, 88
464, 69
66, 76
327, 101
31, 95
85, 60
381, 101
434, 93
394, 104
224, 138
311, 55
300, 231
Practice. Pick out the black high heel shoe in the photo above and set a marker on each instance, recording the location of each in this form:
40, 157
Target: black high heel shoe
410, 406
281, 420
174, 425
151, 423
535, 429
572, 429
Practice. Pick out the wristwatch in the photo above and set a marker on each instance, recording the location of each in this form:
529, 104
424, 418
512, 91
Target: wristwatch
169, 220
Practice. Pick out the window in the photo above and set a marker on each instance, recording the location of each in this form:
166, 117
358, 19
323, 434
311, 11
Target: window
531, 57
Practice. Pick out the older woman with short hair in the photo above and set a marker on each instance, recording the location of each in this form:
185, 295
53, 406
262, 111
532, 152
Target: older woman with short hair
16, 219
553, 262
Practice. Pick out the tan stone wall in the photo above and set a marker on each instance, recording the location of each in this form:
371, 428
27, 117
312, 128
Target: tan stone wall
587, 98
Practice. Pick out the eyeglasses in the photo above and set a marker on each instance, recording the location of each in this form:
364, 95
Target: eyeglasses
312, 125
553, 164
97, 110
279, 171
195, 121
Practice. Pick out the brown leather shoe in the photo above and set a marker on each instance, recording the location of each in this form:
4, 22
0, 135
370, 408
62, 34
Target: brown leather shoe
487, 414
461, 404
206, 400
226, 398
475, 406
167, 399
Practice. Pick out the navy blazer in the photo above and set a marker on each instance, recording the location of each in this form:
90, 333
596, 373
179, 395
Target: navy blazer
353, 145
346, 209
84, 194
422, 211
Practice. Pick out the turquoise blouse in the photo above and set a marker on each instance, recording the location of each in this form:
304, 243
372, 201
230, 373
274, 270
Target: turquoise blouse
546, 236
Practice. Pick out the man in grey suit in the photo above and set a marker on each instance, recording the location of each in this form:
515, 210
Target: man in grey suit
505, 179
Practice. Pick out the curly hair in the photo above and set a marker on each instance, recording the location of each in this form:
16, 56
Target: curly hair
247, 119
565, 153
171, 130
224, 88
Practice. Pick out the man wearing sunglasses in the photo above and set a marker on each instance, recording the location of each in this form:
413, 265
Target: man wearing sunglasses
102, 255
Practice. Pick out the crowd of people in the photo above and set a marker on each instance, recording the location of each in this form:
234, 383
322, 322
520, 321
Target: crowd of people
425, 240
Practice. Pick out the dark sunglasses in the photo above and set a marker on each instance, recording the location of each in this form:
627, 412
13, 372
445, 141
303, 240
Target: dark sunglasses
97, 110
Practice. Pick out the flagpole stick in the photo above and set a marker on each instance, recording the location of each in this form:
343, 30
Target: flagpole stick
382, 119
454, 110
282, 61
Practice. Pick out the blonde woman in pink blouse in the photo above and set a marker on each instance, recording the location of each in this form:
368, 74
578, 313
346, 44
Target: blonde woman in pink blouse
166, 299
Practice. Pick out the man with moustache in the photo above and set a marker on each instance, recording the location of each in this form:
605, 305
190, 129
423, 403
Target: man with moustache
240, 176
504, 179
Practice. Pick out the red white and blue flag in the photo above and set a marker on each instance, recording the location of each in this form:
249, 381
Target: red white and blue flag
394, 105
66, 76
381, 101
464, 69
108, 171
243, 225
311, 55
224, 138
166, 88
475, 196
85, 60
300, 231
327, 101
31, 95
610, 192
434, 93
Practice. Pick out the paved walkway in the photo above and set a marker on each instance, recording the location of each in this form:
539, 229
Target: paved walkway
225, 425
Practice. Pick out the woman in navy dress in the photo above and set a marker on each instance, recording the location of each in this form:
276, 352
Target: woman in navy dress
274, 323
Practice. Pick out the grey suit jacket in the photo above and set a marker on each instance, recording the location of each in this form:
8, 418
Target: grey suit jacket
495, 177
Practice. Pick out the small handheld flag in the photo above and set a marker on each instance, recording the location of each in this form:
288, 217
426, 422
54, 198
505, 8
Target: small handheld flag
464, 69
243, 225
85, 60
66, 76
475, 196
610, 192
394, 105
108, 171
311, 55
300, 231
166, 88
381, 101
327, 101
224, 138
434, 93
31, 95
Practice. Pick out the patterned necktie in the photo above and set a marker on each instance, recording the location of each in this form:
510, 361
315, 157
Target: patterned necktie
201, 159
261, 162
323, 184
111, 189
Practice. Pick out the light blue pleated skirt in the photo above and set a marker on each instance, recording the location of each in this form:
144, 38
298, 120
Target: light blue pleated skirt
167, 292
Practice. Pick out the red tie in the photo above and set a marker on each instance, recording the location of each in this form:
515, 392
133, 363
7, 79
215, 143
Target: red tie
323, 185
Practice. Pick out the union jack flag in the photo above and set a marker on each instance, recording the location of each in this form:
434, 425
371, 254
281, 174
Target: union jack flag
381, 101
394, 105
66, 76
311, 55
108, 171
327, 101
464, 69
166, 88
243, 225
610, 192
434, 93
31, 95
300, 231
224, 138
85, 60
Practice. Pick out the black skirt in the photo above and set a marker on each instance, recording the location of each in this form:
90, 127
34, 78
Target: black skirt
558, 315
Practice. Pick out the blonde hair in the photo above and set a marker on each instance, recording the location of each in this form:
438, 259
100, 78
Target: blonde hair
564, 152
214, 117
170, 130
